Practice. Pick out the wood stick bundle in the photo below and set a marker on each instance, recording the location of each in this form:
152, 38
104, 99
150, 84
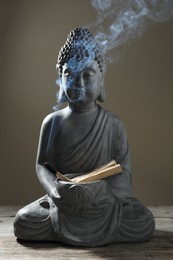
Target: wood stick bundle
102, 172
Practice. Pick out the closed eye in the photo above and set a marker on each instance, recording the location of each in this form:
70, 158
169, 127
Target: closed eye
88, 73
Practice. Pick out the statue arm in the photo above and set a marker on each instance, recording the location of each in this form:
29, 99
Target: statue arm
121, 183
46, 178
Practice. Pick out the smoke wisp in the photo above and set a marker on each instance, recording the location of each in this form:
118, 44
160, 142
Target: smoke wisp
120, 22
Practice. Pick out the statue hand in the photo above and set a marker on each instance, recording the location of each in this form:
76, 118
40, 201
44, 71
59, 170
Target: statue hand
56, 198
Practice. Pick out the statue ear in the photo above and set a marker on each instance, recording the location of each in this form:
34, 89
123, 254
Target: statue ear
61, 94
102, 96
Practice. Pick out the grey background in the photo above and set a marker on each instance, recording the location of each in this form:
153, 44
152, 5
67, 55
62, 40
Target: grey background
139, 89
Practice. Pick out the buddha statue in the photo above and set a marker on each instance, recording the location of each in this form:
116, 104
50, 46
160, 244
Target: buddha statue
75, 140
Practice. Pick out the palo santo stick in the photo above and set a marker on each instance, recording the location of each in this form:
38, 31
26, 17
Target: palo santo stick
111, 163
112, 170
104, 171
55, 172
62, 177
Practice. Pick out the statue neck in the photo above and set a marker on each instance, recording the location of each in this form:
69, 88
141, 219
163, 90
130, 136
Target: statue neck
83, 107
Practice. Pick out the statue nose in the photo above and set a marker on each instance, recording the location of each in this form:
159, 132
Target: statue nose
77, 81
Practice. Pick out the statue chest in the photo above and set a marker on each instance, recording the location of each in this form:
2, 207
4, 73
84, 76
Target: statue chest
73, 131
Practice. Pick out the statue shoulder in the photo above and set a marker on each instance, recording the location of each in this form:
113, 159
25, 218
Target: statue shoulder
116, 120
54, 116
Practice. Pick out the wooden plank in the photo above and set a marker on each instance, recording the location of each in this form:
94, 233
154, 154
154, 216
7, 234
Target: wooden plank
161, 211
159, 247
59, 251
9, 211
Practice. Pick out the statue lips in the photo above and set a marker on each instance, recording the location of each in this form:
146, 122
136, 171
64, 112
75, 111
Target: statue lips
76, 93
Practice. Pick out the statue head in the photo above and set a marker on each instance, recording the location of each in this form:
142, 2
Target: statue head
81, 68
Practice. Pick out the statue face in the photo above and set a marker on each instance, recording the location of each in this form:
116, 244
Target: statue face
81, 85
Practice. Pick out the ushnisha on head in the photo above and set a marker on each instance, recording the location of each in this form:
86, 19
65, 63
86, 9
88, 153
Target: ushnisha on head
81, 51
80, 45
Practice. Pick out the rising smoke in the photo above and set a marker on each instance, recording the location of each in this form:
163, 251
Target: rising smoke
118, 22
122, 21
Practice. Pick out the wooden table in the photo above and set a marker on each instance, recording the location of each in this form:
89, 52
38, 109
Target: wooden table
160, 247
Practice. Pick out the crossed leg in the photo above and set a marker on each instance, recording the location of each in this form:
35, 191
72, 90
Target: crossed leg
33, 221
